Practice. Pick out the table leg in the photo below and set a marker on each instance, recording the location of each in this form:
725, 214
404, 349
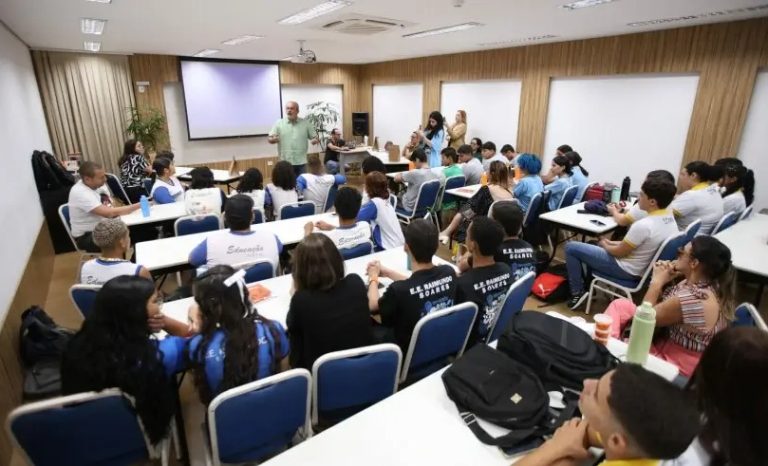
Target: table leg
342, 163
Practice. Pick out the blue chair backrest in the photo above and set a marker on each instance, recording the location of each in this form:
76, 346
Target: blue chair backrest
569, 196
455, 182
427, 196
670, 249
439, 335
84, 297
691, 231
393, 200
745, 215
197, 224
362, 249
148, 185
258, 217
728, 220
259, 271
533, 208
513, 303
300, 209
345, 385
64, 212
330, 198
116, 187
254, 420
81, 429
747, 316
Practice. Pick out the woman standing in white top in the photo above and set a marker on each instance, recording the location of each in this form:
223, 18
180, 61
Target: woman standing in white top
166, 189
282, 189
252, 185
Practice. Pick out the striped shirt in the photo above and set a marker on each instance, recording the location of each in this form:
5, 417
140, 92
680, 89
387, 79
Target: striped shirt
693, 334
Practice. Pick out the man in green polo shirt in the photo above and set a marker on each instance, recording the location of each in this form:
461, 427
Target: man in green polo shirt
291, 134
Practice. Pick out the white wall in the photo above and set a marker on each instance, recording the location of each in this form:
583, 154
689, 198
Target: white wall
621, 126
493, 109
22, 130
754, 140
309, 94
396, 112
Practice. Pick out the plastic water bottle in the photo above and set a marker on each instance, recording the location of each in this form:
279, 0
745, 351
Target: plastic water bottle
641, 335
144, 202
365, 140
615, 195
625, 185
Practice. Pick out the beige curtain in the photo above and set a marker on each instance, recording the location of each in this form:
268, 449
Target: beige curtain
86, 98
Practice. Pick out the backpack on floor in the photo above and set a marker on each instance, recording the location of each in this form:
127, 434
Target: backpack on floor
485, 383
559, 352
41, 344
550, 287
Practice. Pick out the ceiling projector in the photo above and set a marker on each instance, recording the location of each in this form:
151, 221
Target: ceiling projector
305, 56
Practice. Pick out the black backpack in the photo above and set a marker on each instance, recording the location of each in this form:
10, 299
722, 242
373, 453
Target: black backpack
487, 384
559, 352
42, 342
49, 173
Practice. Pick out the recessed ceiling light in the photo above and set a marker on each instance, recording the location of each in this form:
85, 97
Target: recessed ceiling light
92, 25
92, 46
99, 1
445, 30
206, 52
312, 13
711, 14
579, 4
517, 41
241, 40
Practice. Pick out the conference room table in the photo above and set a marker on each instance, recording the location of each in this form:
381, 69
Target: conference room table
465, 192
223, 177
359, 153
171, 254
748, 242
157, 213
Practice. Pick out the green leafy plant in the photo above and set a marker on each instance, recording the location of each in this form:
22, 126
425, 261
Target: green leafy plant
324, 116
148, 126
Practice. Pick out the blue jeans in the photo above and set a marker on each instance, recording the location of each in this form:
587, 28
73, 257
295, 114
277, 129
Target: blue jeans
332, 167
595, 258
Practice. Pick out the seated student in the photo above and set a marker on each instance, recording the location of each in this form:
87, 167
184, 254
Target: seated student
203, 197
113, 239
89, 202
530, 184
487, 282
335, 145
282, 189
515, 252
328, 311
166, 154
734, 407
252, 185
470, 166
739, 184
414, 143
429, 288
626, 259
371, 164
625, 216
236, 344
387, 233
509, 153
547, 178
450, 169
167, 188
634, 415
114, 348
700, 198
315, 185
134, 167
415, 178
477, 148
239, 244
490, 156
580, 176
350, 232
561, 170
694, 309
497, 189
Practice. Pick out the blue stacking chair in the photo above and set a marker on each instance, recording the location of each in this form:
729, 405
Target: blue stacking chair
362, 249
148, 185
531, 231
84, 255
83, 297
726, 221
192, 224
262, 269
692, 231
117, 189
85, 429
747, 316
346, 382
453, 182
330, 198
393, 201
425, 202
745, 215
569, 197
296, 209
513, 303
258, 419
438, 336
258, 217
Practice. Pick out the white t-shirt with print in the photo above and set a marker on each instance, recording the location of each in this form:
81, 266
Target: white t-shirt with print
646, 235
349, 237
258, 198
175, 188
317, 187
99, 272
82, 201
203, 201
703, 202
281, 197
635, 213
734, 203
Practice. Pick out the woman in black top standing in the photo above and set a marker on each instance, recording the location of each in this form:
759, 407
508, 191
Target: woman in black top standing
134, 167
328, 312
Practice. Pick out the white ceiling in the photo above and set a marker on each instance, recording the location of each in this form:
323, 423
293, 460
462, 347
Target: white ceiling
183, 27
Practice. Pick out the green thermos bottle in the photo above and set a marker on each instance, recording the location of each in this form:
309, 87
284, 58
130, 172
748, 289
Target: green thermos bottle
641, 335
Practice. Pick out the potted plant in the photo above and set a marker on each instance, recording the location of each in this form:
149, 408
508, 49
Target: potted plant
148, 126
324, 116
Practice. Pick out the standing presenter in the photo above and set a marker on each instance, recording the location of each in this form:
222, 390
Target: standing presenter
291, 135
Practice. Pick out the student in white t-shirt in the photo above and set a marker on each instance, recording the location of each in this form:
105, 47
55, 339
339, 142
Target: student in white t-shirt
252, 185
89, 202
626, 259
625, 216
239, 244
470, 166
166, 189
113, 239
350, 231
700, 200
282, 189
387, 233
203, 197
490, 156
738, 188
315, 184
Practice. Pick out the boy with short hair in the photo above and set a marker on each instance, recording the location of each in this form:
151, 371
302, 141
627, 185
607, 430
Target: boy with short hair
350, 232
316, 183
429, 288
633, 427
490, 156
509, 153
487, 282
471, 167
414, 178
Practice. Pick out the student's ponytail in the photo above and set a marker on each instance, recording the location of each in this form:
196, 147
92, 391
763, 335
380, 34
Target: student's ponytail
749, 187
575, 159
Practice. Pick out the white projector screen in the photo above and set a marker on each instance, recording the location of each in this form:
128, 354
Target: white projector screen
754, 140
621, 126
396, 112
230, 98
493, 109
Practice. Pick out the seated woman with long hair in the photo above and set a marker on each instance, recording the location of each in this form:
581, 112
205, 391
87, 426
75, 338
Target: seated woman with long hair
496, 190
114, 348
236, 345
387, 233
691, 311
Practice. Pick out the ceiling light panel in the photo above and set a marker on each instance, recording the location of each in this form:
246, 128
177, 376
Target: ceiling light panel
99, 1
445, 30
92, 26
206, 52
518, 41
314, 12
242, 40
92, 46
578, 5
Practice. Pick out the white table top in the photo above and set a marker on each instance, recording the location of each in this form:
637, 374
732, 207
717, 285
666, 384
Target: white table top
418, 425
174, 251
381, 154
748, 242
219, 176
436, 170
157, 213
466, 192
570, 217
